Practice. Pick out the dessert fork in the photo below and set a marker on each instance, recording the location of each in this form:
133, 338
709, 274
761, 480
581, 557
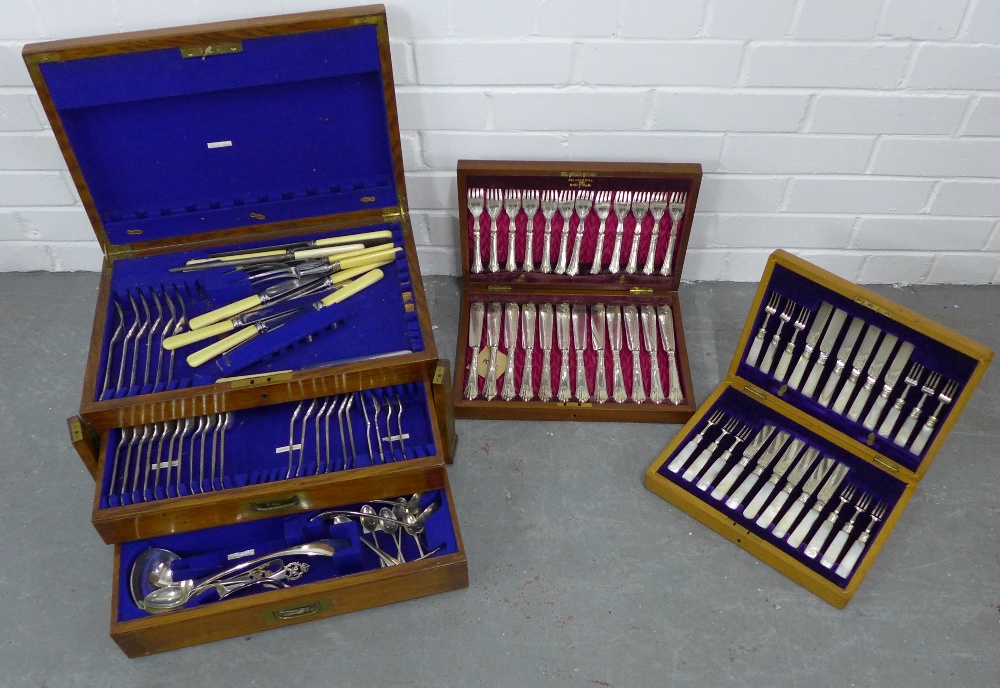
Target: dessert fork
833, 551
801, 320
640, 208
584, 202
494, 201
623, 204
602, 206
769, 309
786, 317
854, 553
565, 205
821, 536
911, 380
928, 389
477, 201
511, 206
549, 199
684, 454
529, 202
945, 397
657, 207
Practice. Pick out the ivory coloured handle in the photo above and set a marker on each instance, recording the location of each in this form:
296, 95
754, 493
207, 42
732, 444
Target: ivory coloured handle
185, 338
222, 346
225, 312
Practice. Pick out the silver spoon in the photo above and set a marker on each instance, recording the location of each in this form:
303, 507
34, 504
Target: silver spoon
391, 527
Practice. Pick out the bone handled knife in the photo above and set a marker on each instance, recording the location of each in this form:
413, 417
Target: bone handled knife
892, 375
763, 461
825, 347
614, 317
822, 316
580, 323
665, 317
791, 515
649, 337
779, 470
493, 314
528, 344
736, 471
631, 314
511, 314
476, 313
874, 370
597, 325
545, 318
843, 355
562, 339
794, 478
825, 493
860, 360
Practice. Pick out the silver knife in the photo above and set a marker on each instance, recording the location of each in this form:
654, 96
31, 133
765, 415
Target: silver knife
794, 478
614, 317
763, 461
665, 317
511, 315
759, 499
843, 355
860, 360
545, 341
597, 324
827, 491
825, 347
476, 312
563, 394
748, 453
898, 363
819, 322
874, 370
651, 340
788, 520
631, 315
580, 341
528, 312
493, 342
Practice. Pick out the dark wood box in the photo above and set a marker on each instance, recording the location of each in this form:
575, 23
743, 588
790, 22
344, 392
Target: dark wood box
859, 395
655, 199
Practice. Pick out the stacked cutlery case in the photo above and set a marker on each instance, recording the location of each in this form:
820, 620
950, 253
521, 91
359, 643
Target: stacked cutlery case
569, 291
835, 404
262, 351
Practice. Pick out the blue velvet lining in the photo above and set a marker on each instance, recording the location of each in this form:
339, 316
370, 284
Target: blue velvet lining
865, 477
205, 552
931, 353
371, 323
252, 437
293, 126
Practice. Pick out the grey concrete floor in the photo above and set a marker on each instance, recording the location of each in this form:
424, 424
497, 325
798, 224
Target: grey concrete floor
579, 575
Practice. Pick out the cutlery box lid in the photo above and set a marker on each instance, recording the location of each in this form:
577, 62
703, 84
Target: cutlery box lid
231, 129
937, 349
575, 178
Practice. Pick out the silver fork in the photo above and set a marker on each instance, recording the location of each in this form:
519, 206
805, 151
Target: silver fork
928, 389
529, 202
821, 536
858, 546
548, 212
772, 348
476, 201
911, 380
945, 397
758, 341
678, 461
833, 551
511, 206
584, 202
658, 208
623, 204
494, 201
786, 358
602, 206
678, 202
565, 205
640, 208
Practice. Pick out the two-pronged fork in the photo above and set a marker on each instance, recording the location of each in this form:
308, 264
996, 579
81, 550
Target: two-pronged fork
911, 380
565, 204
678, 202
622, 207
529, 202
549, 199
758, 342
494, 201
602, 206
858, 546
834, 549
945, 397
476, 204
584, 201
640, 208
511, 206
657, 208
929, 388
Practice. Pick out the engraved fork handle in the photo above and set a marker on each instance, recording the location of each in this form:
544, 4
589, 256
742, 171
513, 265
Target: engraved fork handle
618, 378
595, 268
547, 247
563, 249
574, 262
564, 393
527, 388
508, 377
545, 387
477, 255
490, 388
529, 247
651, 251
616, 252
633, 254
512, 234
472, 380
494, 229
655, 386
668, 259
582, 394
600, 379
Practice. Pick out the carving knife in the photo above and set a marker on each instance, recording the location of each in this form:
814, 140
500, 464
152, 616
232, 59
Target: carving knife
843, 355
794, 478
328, 253
860, 360
788, 520
874, 370
819, 322
763, 462
898, 363
806, 524
825, 347
784, 463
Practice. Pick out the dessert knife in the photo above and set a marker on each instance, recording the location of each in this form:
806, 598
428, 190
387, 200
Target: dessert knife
874, 370
825, 347
763, 461
860, 359
794, 478
843, 354
736, 471
476, 312
614, 318
784, 463
511, 315
597, 324
584, 202
826, 492
895, 369
528, 344
812, 338
545, 341
580, 323
492, 341
665, 317
631, 315
562, 339
648, 315
788, 520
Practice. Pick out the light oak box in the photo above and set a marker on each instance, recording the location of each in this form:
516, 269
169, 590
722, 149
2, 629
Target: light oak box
242, 137
871, 402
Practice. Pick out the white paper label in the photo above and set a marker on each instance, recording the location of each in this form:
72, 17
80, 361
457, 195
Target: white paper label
220, 144
284, 450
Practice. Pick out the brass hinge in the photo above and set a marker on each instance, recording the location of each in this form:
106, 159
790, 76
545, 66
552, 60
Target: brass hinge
393, 213
640, 291
116, 251
438, 375
499, 288
38, 58
76, 430
204, 51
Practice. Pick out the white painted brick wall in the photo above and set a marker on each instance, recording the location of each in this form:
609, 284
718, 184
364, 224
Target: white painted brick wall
863, 135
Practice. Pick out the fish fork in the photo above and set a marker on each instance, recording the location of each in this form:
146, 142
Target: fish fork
477, 202
820, 538
786, 317
584, 202
945, 397
833, 551
640, 208
565, 204
858, 546
511, 206
911, 381
623, 204
529, 202
678, 202
657, 208
602, 206
801, 320
494, 201
549, 200
769, 309
929, 388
